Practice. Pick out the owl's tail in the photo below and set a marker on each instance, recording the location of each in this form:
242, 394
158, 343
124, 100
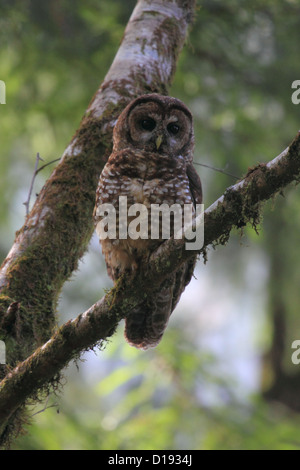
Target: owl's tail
145, 325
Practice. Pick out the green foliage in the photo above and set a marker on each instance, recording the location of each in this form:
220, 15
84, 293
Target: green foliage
235, 74
154, 402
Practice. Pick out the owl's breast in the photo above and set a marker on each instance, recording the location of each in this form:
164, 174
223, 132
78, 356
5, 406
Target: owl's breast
135, 189
146, 178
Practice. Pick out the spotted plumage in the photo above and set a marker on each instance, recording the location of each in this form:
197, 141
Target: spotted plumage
151, 163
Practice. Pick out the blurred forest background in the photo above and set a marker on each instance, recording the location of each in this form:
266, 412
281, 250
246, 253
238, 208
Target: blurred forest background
222, 377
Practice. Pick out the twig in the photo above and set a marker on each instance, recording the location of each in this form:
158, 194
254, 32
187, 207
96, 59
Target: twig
45, 407
217, 169
36, 171
47, 164
26, 204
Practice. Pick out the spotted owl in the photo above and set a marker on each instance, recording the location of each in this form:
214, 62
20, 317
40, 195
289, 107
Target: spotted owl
150, 164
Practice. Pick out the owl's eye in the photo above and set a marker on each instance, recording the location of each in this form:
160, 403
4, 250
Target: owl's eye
173, 128
148, 124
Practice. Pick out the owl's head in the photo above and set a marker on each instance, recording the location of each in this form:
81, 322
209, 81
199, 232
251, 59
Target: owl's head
156, 123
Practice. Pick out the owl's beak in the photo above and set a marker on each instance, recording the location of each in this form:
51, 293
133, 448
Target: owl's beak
159, 141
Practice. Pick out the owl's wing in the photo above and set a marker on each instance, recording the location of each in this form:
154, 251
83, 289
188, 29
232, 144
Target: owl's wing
144, 326
195, 184
185, 272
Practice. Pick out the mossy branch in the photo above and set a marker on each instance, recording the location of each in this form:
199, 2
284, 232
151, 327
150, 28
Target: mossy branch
241, 204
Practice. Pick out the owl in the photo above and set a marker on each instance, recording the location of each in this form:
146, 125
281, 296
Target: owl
150, 164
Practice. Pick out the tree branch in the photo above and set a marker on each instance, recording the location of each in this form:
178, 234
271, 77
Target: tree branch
239, 205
